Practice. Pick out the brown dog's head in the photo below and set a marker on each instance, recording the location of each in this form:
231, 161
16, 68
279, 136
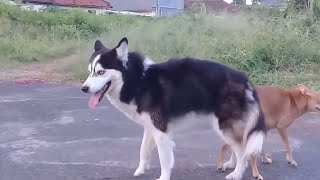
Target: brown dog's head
312, 97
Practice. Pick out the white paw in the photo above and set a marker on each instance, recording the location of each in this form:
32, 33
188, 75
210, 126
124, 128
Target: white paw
228, 165
141, 170
266, 160
259, 177
163, 178
234, 176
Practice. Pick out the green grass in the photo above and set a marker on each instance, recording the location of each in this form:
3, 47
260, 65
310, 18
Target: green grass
273, 47
24, 44
29, 36
272, 50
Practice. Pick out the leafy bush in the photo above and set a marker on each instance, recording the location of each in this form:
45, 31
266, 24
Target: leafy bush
86, 24
28, 36
266, 47
272, 46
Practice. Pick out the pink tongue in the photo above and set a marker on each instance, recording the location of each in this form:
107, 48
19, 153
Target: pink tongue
94, 100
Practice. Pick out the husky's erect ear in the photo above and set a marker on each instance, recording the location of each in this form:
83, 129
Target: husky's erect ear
122, 50
98, 45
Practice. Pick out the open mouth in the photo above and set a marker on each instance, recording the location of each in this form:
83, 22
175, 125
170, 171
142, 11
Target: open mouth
98, 96
103, 91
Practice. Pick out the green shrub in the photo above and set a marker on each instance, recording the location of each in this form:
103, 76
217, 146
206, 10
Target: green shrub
30, 36
266, 47
87, 25
272, 46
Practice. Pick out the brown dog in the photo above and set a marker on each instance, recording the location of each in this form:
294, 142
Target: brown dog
281, 108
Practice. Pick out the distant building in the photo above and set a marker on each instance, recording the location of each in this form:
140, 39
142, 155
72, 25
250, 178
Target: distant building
143, 7
168, 7
212, 6
271, 3
93, 6
148, 7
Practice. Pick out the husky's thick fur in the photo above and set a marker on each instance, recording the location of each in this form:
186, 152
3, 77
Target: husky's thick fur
163, 97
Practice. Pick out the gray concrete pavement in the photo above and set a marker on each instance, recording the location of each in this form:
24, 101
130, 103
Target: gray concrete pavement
47, 132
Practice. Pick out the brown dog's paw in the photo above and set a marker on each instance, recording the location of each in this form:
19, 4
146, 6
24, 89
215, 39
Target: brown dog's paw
259, 177
293, 163
221, 169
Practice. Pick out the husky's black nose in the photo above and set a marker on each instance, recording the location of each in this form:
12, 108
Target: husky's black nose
85, 89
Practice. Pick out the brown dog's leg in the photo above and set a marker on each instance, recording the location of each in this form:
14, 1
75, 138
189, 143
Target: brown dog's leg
255, 171
224, 148
284, 135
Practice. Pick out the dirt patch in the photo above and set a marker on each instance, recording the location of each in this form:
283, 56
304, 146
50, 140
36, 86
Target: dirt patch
45, 71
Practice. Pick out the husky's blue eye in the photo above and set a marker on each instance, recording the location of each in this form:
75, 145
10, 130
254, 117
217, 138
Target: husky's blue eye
101, 72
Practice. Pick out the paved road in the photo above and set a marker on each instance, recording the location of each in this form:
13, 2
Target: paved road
47, 132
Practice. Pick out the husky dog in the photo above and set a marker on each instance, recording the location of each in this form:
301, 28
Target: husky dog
162, 97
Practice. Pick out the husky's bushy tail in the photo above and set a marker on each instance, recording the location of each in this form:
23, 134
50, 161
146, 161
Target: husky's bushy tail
255, 133
253, 136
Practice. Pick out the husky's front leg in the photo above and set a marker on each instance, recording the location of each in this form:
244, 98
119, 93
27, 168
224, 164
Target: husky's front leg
147, 145
165, 150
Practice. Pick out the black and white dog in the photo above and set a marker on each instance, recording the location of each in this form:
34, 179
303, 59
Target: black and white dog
162, 97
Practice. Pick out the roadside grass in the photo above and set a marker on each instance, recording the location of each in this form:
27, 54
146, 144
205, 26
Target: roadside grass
271, 49
21, 44
31, 37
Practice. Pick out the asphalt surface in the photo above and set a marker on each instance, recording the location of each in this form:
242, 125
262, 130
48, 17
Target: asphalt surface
47, 132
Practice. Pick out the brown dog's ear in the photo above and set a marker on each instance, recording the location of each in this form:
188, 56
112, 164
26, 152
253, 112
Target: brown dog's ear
303, 89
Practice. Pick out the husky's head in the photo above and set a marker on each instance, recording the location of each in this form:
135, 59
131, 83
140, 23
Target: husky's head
105, 67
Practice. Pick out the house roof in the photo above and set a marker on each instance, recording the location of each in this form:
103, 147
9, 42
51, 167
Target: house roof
75, 3
212, 6
38, 1
132, 5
